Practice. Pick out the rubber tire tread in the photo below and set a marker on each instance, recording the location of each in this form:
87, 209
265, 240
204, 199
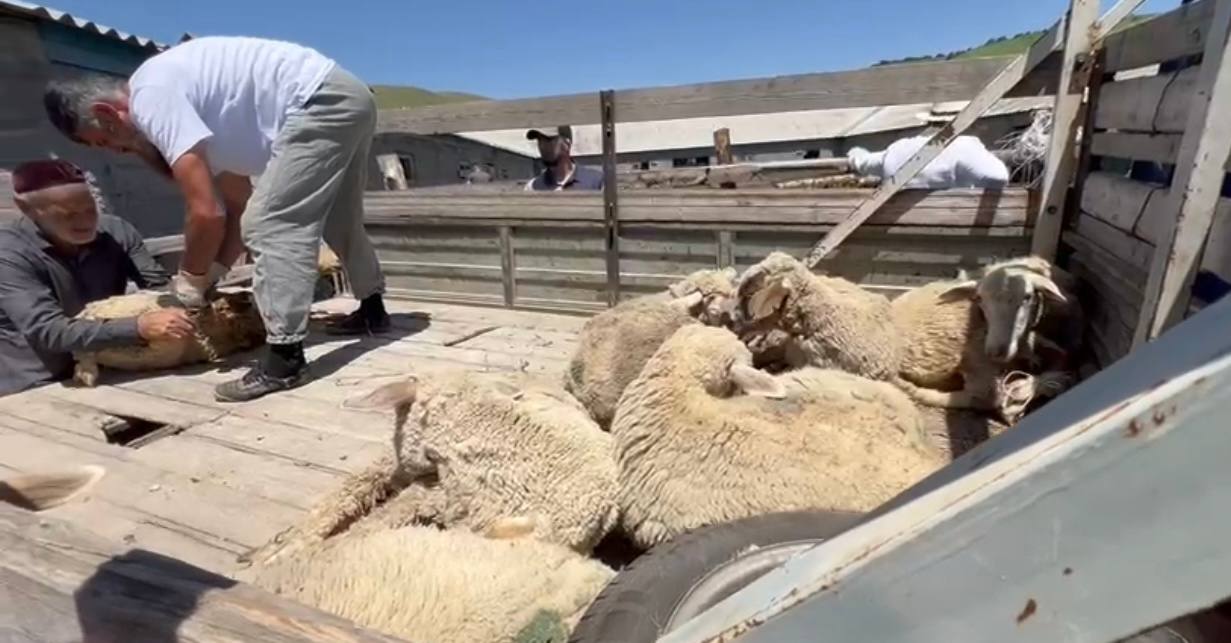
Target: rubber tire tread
638, 602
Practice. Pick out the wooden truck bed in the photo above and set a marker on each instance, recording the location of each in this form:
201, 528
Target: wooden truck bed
200, 481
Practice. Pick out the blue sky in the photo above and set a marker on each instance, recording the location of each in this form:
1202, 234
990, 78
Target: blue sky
518, 49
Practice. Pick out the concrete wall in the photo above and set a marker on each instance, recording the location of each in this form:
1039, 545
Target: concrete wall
30, 54
439, 160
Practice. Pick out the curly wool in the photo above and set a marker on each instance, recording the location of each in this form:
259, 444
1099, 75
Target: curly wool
423, 584
690, 454
480, 451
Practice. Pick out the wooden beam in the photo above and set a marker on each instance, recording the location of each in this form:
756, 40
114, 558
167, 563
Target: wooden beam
722, 146
1006, 80
726, 248
611, 189
870, 87
62, 583
1175, 34
1195, 187
1061, 152
508, 266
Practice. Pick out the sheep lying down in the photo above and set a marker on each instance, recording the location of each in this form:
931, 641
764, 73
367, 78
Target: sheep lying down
702, 437
489, 452
614, 344
230, 324
424, 584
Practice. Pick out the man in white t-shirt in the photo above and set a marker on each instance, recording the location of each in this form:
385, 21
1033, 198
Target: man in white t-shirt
213, 112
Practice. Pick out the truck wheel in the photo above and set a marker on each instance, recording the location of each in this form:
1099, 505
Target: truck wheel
683, 577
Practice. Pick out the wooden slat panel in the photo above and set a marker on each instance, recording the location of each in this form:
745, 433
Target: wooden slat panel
1133, 251
1175, 34
1152, 104
1115, 200
1160, 212
885, 85
1160, 148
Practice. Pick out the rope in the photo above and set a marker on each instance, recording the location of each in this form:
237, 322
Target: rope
1026, 150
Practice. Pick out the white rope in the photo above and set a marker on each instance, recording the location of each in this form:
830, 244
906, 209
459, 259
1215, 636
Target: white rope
1025, 151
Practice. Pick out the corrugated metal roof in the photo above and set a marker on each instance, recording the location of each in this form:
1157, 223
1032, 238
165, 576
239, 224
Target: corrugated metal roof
64, 18
691, 133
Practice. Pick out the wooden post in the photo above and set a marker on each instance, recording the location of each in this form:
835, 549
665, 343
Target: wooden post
1094, 86
611, 212
1195, 188
1061, 152
726, 248
1008, 78
508, 266
722, 147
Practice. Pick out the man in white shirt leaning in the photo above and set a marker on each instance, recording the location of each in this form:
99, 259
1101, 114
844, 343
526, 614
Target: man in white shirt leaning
212, 112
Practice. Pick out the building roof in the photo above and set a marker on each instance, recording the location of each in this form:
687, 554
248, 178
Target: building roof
692, 133
64, 18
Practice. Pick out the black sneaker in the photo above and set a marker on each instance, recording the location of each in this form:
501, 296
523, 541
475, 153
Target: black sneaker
359, 323
257, 383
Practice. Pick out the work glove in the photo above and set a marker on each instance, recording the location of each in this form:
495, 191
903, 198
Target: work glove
195, 291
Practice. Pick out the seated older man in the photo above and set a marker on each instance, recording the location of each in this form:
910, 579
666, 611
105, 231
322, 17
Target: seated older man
53, 261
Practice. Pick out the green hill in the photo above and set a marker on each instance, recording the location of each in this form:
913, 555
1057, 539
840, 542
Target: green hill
1001, 46
395, 96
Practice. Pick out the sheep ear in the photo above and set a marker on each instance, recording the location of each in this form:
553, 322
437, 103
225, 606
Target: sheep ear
686, 303
758, 383
767, 299
509, 528
961, 290
390, 395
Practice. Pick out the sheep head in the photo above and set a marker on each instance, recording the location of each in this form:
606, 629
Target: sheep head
764, 287
1011, 297
714, 290
233, 321
718, 360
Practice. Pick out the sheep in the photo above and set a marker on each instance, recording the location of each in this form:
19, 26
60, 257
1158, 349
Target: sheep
828, 322
614, 344
483, 451
943, 352
231, 323
424, 584
691, 454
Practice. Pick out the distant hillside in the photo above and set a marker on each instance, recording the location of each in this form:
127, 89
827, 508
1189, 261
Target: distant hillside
1001, 46
395, 96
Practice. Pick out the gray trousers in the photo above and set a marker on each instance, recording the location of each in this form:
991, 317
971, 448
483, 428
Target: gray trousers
311, 189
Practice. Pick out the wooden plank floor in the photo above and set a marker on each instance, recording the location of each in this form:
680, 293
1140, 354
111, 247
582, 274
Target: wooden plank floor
238, 473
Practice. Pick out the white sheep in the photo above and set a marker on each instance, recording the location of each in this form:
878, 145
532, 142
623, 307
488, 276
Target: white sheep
614, 344
231, 323
703, 437
453, 586
482, 451
816, 320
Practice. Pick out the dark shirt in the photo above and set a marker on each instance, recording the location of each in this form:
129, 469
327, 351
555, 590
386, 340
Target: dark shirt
583, 178
41, 290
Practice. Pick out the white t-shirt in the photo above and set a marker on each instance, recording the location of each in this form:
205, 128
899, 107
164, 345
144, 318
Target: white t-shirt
965, 163
234, 91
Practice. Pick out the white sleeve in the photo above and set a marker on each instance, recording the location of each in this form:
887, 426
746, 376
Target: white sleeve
166, 117
984, 168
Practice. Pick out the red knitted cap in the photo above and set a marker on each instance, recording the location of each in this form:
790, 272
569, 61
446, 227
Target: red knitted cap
37, 175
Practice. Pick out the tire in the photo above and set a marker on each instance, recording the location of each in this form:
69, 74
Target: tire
679, 578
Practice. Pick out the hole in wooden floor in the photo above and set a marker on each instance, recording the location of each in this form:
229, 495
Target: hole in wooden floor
135, 432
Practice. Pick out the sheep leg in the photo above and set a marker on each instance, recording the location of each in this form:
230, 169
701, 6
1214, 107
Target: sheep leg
85, 372
963, 399
356, 498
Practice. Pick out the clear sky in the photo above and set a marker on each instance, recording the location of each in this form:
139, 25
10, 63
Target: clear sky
507, 49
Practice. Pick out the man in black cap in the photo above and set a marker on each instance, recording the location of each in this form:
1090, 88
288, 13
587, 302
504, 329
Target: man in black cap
562, 173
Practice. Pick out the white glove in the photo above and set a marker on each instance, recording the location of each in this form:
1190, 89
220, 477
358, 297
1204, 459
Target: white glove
193, 291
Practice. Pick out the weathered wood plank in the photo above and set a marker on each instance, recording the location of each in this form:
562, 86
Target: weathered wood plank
128, 403
1061, 151
63, 583
1195, 188
884, 85
1175, 34
233, 517
1116, 242
508, 266
611, 198
1137, 146
334, 454
1151, 104
1115, 200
